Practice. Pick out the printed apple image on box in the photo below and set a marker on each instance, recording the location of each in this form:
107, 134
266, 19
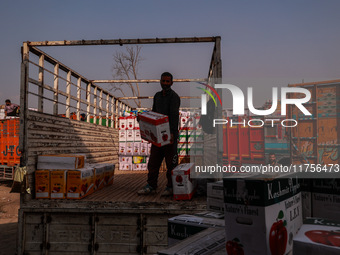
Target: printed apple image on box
130, 122
80, 183
326, 198
130, 135
58, 184
122, 135
183, 186
262, 215
318, 236
136, 148
154, 127
137, 137
143, 148
122, 148
42, 184
129, 149
122, 123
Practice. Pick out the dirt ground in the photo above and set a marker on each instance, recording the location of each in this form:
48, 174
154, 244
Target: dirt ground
9, 206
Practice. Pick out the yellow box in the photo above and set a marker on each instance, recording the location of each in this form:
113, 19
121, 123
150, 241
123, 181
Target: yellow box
58, 184
80, 183
42, 184
99, 173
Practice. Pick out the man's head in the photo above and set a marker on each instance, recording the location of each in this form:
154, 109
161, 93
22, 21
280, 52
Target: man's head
8, 102
272, 158
166, 81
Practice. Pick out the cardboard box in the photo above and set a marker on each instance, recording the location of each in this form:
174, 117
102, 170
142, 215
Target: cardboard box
154, 127
137, 136
109, 174
215, 204
183, 186
138, 160
203, 243
130, 122
80, 183
137, 167
136, 124
126, 167
318, 236
125, 160
326, 198
42, 184
61, 162
143, 148
136, 148
129, 149
122, 135
58, 184
209, 214
182, 226
215, 190
306, 196
262, 215
122, 149
122, 123
130, 135
99, 175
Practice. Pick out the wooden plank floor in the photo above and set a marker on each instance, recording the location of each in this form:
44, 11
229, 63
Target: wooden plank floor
127, 183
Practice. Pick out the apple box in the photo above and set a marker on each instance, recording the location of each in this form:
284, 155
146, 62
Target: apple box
318, 236
306, 196
137, 137
122, 135
182, 226
58, 184
80, 183
129, 149
122, 149
42, 184
183, 186
154, 127
326, 198
122, 123
136, 148
143, 148
215, 204
262, 215
61, 161
130, 135
99, 174
215, 189
130, 122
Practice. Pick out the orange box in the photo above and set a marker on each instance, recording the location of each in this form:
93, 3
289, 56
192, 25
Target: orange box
58, 184
61, 161
99, 173
109, 174
42, 184
80, 183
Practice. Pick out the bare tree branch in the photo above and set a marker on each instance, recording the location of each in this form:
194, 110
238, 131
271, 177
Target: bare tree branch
125, 66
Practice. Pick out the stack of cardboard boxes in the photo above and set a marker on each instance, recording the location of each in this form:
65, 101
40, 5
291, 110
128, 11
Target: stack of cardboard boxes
133, 150
67, 176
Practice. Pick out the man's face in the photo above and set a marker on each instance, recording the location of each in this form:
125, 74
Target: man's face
8, 103
166, 82
272, 159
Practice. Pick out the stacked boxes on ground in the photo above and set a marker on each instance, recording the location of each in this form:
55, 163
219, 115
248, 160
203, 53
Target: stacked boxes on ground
133, 150
190, 144
67, 176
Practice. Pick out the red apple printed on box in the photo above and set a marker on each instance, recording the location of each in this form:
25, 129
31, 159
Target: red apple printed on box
331, 238
234, 247
278, 236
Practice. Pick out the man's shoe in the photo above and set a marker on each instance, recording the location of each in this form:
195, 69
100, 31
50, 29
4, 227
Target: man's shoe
146, 190
167, 192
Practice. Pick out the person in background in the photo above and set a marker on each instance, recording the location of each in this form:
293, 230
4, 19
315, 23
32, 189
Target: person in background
273, 160
11, 109
166, 102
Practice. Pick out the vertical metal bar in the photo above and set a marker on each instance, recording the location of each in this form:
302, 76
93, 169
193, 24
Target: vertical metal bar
41, 82
116, 104
68, 92
56, 88
95, 105
88, 96
112, 112
100, 107
78, 97
107, 109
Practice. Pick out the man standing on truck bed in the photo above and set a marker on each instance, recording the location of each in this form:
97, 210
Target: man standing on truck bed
11, 109
166, 102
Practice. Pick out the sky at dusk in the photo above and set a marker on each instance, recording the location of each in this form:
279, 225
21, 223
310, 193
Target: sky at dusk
265, 44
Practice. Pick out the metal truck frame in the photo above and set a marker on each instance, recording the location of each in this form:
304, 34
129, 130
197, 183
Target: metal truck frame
107, 222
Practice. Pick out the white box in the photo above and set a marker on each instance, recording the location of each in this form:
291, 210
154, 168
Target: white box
326, 198
129, 149
149, 148
318, 236
263, 215
143, 149
136, 124
215, 189
182, 226
61, 161
137, 137
154, 127
125, 160
122, 123
130, 135
130, 122
215, 204
144, 166
122, 135
126, 167
183, 186
136, 148
122, 149
136, 167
